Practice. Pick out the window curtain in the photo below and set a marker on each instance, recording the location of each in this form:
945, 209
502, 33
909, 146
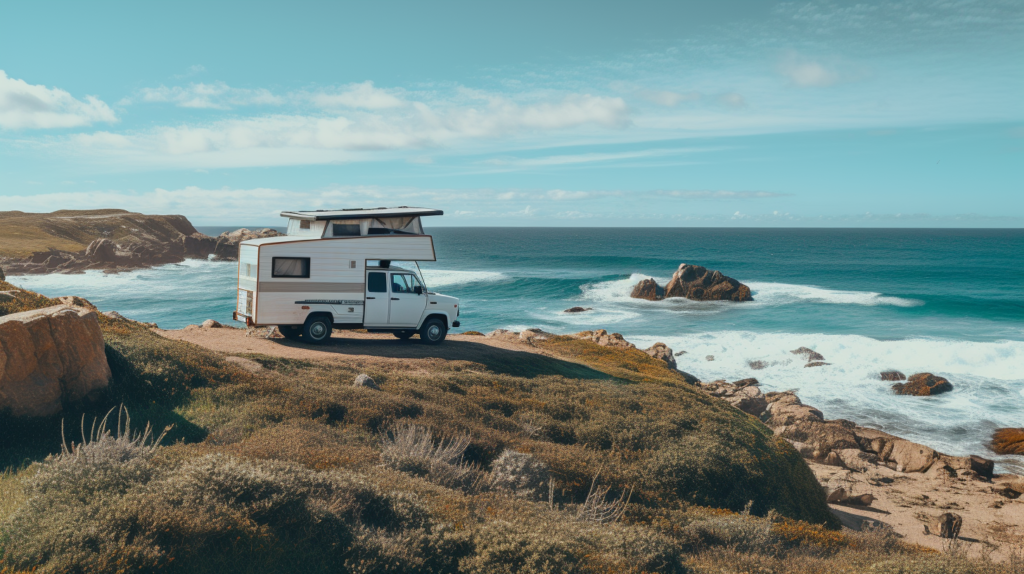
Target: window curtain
401, 224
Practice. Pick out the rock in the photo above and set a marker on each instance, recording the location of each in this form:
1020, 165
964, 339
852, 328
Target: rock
786, 410
211, 324
648, 289
701, 284
663, 352
824, 437
836, 496
809, 355
498, 333
364, 380
910, 456
751, 382
709, 358
749, 400
816, 364
946, 525
2, 276
1008, 441
101, 250
578, 309
535, 334
226, 247
50, 357
757, 365
856, 459
605, 339
981, 467
73, 301
923, 385
860, 499
680, 353
892, 376
688, 377
832, 459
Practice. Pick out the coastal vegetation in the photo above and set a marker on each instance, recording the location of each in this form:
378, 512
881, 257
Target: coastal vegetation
572, 457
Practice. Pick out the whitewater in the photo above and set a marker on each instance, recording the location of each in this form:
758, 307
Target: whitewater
947, 302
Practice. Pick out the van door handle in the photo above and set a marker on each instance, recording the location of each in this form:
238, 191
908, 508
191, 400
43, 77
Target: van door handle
395, 299
371, 297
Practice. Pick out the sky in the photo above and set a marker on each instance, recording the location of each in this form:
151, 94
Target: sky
756, 113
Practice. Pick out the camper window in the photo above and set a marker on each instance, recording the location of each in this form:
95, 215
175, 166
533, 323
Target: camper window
377, 282
345, 229
291, 267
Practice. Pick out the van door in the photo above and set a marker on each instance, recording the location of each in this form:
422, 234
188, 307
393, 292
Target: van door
375, 310
406, 304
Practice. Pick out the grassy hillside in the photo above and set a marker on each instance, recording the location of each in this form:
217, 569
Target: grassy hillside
277, 465
21, 233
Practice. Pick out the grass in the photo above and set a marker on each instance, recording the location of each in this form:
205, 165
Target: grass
292, 468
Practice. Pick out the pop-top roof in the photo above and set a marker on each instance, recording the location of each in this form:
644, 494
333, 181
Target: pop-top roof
361, 213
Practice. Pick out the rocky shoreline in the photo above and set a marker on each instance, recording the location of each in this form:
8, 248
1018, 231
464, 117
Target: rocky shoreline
112, 241
872, 477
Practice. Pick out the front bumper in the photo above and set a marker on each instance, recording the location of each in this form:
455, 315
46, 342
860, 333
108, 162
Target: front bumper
455, 323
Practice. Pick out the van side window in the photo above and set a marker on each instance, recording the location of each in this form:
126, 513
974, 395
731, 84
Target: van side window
345, 229
290, 267
377, 282
400, 283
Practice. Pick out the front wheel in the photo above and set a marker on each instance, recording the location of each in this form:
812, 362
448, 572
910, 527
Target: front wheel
433, 331
317, 329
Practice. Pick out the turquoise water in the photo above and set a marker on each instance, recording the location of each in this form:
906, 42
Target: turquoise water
944, 301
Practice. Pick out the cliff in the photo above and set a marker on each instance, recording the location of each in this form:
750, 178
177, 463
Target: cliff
68, 241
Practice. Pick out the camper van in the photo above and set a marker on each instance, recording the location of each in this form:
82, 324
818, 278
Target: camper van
333, 270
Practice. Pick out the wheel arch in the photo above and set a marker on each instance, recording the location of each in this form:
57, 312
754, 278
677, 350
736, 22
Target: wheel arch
441, 316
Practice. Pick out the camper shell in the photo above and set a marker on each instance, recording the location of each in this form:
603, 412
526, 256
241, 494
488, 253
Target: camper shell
333, 270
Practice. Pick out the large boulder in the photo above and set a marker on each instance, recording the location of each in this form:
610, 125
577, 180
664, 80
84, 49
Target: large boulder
911, 457
606, 339
50, 357
694, 282
744, 395
648, 289
663, 352
701, 284
923, 385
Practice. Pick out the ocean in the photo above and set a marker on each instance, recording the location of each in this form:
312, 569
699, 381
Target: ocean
949, 302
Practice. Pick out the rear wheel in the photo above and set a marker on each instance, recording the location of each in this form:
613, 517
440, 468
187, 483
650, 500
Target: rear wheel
291, 332
433, 331
404, 335
317, 329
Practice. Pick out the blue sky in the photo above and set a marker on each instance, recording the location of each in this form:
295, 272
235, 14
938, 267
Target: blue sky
907, 114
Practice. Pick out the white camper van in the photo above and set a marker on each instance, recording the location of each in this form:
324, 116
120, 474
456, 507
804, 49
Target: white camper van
333, 270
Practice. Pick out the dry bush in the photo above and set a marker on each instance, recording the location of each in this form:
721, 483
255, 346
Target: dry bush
521, 474
411, 448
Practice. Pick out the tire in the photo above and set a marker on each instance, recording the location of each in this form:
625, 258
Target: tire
291, 332
317, 329
404, 335
433, 331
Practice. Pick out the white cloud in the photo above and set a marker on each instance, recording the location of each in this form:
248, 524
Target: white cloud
732, 100
807, 73
561, 194
27, 106
722, 194
297, 139
217, 95
363, 96
668, 98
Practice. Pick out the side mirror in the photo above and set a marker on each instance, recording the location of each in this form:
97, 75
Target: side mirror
418, 290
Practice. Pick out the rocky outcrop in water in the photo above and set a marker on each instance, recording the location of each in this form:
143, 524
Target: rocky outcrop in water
696, 283
923, 385
1008, 441
48, 358
111, 240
